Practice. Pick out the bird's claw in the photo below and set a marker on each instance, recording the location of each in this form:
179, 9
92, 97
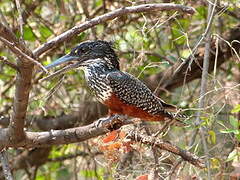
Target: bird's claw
111, 123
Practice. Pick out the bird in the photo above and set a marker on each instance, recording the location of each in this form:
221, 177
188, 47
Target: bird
120, 91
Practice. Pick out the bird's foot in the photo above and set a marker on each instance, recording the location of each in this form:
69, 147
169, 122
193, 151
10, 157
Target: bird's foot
111, 123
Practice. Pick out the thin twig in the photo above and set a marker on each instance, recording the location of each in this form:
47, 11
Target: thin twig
5, 165
175, 167
151, 54
204, 80
206, 32
109, 16
10, 64
9, 35
19, 53
186, 155
85, 5
20, 20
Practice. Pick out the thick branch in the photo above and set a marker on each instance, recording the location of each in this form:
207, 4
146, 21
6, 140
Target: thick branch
109, 16
52, 137
73, 135
23, 85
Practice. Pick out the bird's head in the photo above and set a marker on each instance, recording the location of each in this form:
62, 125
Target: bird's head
89, 52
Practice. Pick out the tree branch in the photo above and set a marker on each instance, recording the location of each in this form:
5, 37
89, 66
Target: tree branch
52, 137
7, 34
79, 134
5, 61
152, 141
20, 20
23, 85
22, 55
204, 79
109, 16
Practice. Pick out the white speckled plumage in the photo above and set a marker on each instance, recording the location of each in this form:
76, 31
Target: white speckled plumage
110, 85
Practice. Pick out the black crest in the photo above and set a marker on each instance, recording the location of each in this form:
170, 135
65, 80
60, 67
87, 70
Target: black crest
96, 49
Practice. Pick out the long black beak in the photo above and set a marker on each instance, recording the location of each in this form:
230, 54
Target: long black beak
61, 60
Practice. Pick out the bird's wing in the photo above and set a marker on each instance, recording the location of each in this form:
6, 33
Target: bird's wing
134, 92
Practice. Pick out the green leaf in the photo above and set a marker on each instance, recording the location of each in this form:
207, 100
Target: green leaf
212, 137
40, 177
232, 155
238, 136
28, 34
98, 3
233, 122
45, 32
235, 131
178, 36
88, 173
81, 36
202, 12
58, 2
185, 53
215, 163
236, 109
184, 23
93, 173
63, 174
205, 120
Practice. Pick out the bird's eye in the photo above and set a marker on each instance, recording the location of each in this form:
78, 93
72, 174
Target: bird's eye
75, 51
83, 50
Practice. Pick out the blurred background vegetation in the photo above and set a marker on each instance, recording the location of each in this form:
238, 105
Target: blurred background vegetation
149, 45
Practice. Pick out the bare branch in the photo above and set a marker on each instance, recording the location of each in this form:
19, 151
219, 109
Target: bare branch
19, 54
23, 85
151, 54
20, 20
7, 34
5, 61
211, 9
52, 137
109, 16
79, 134
88, 112
149, 140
